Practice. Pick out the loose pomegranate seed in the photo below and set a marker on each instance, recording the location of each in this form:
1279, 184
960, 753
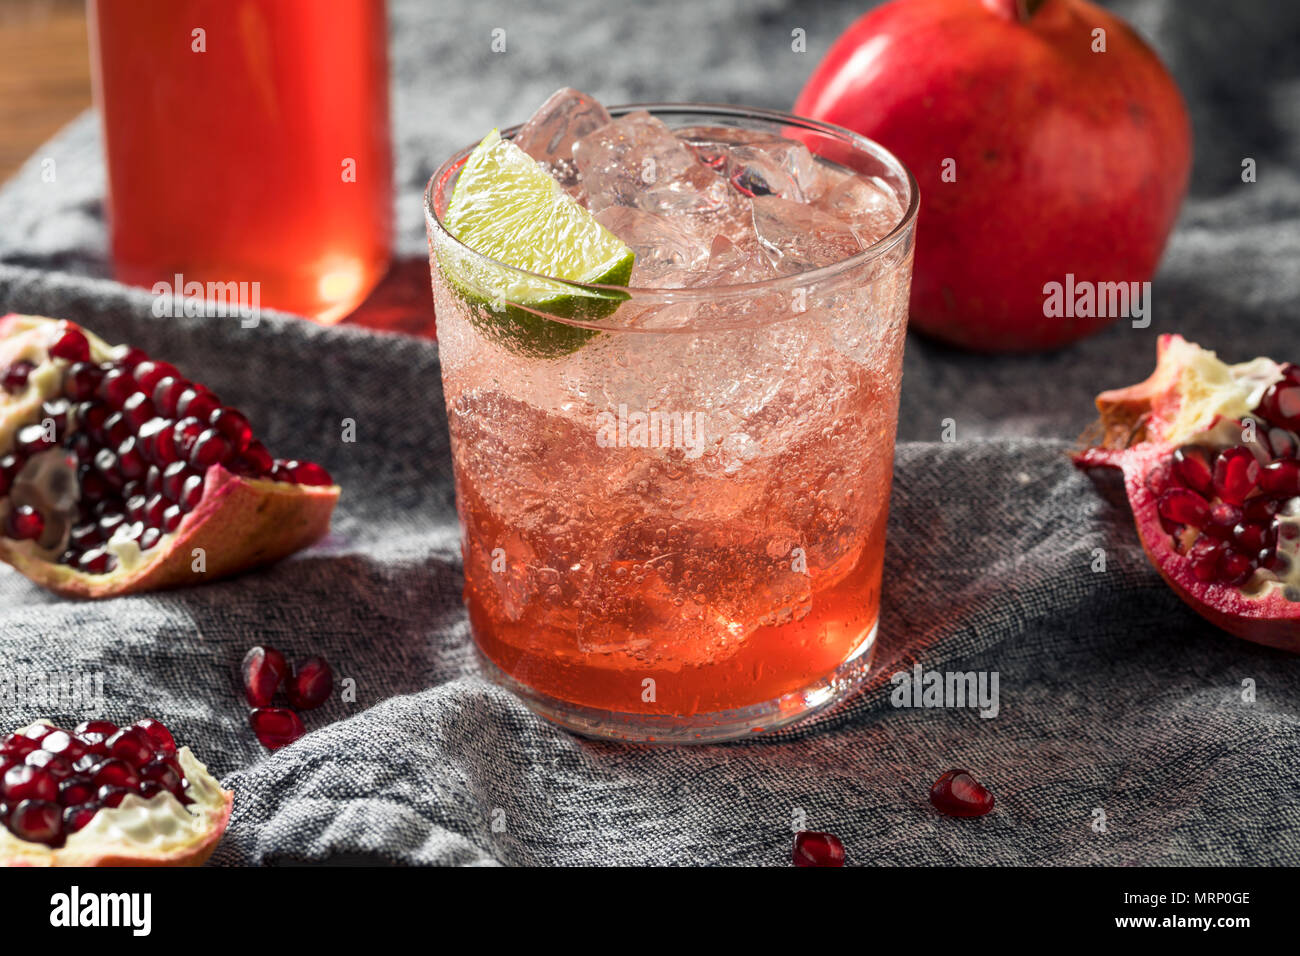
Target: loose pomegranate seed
1235, 474
817, 849
311, 683
167, 393
76, 818
958, 794
158, 734
310, 473
71, 345
15, 376
263, 669
25, 523
1280, 479
276, 727
149, 374
1192, 465
115, 772
76, 790
82, 380
29, 783
38, 821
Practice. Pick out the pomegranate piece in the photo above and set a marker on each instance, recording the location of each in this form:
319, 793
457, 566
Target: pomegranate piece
47, 799
141, 439
276, 727
264, 670
817, 849
1226, 534
311, 683
958, 794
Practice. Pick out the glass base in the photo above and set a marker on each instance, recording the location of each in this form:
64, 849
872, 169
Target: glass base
708, 728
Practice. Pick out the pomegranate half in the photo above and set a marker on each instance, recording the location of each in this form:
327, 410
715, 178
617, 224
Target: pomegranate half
1211, 461
118, 474
101, 795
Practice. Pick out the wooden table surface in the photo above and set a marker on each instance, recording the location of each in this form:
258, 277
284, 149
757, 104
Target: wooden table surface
44, 73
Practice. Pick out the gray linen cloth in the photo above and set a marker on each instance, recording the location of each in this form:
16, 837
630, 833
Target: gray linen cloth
1117, 704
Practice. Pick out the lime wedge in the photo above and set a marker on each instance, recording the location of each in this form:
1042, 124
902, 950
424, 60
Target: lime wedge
508, 208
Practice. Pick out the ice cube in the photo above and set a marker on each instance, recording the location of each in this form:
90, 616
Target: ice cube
549, 135
734, 262
668, 254
758, 164
637, 161
799, 237
869, 208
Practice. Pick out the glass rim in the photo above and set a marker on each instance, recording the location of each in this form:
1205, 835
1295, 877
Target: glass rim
872, 252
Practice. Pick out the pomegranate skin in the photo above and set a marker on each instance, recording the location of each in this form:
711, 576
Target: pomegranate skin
1066, 160
1132, 436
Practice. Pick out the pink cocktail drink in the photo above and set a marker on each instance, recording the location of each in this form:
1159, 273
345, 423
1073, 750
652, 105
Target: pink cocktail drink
674, 519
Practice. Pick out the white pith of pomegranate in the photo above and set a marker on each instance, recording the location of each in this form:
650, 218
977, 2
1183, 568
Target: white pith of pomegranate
99, 795
109, 460
1211, 458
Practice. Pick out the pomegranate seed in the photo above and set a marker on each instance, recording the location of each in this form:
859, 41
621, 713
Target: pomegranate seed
137, 410
57, 767
38, 821
135, 507
234, 427
197, 402
1260, 510
1234, 567
185, 433
1221, 519
172, 518
1191, 464
115, 772
282, 470
1235, 474
311, 683
309, 473
56, 411
164, 774
32, 440
258, 458
18, 745
154, 508
817, 849
133, 357
109, 524
65, 745
191, 493
276, 727
1253, 538
166, 393
958, 794
116, 429
104, 728
158, 734
97, 561
82, 380
116, 388
1281, 479
76, 818
38, 732
71, 345
1281, 404
110, 796
76, 790
149, 538
209, 449
25, 523
156, 441
1203, 556
29, 783
263, 669
129, 460
173, 480
15, 376
149, 374
93, 416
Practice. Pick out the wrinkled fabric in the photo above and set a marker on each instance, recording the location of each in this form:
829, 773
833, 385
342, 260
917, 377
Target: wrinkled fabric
1123, 735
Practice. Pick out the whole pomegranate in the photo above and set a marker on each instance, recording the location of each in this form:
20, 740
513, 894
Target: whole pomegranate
1048, 140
